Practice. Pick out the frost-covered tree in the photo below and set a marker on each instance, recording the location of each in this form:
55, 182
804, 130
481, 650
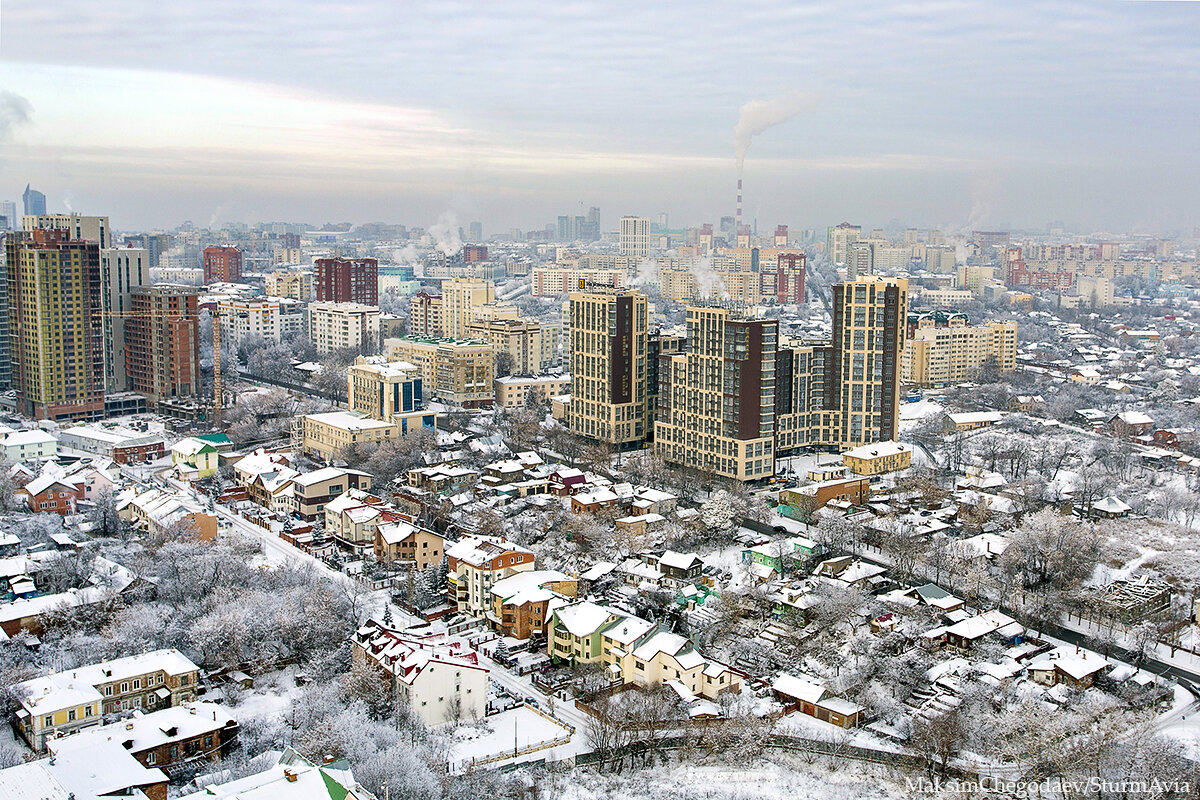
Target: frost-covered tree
717, 511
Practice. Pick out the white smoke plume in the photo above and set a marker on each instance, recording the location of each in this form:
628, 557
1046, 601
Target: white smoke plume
647, 273
987, 196
758, 115
446, 235
407, 255
15, 110
67, 198
709, 285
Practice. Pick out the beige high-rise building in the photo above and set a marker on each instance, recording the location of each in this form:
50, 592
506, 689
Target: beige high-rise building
343, 326
716, 402
384, 390
298, 284
634, 237
271, 318
973, 277
608, 347
80, 227
863, 391
950, 351
460, 297
838, 241
122, 270
458, 371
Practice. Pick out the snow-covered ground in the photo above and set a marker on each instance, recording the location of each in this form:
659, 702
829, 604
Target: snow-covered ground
777, 777
517, 729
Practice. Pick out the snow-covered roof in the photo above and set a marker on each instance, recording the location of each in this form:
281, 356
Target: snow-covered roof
77, 686
799, 688
877, 450
349, 421
584, 618
1134, 418
1075, 662
1111, 505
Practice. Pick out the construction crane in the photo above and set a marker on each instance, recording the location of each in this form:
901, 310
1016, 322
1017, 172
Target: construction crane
216, 340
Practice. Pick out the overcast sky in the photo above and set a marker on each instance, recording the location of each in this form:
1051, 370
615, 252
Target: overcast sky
941, 114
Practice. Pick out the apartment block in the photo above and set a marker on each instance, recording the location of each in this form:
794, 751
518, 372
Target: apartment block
458, 371
163, 359
609, 351
271, 318
294, 285
477, 562
123, 271
347, 280
77, 226
552, 281
838, 240
342, 326
56, 330
64, 702
716, 400
425, 314
951, 352
513, 390
533, 345
634, 237
222, 265
460, 298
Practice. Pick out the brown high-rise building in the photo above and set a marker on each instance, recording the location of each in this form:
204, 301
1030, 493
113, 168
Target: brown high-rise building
222, 265
474, 252
347, 280
56, 333
163, 342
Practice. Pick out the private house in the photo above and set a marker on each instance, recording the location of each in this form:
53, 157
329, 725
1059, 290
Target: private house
573, 632
64, 702
52, 494
475, 564
293, 777
440, 680
965, 633
401, 543
1110, 507
83, 771
171, 739
521, 602
1069, 665
971, 420
781, 558
312, 491
1129, 424
807, 697
30, 445
804, 500
194, 458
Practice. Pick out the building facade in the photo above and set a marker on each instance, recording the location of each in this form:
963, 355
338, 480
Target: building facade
56, 331
461, 297
634, 237
384, 390
343, 326
123, 271
285, 283
347, 280
716, 400
222, 265
163, 335
609, 352
458, 371
950, 353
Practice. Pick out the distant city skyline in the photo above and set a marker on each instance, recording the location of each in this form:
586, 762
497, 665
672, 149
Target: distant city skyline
949, 115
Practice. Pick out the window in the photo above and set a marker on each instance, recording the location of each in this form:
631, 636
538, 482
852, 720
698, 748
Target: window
137, 683
108, 690
174, 751
124, 687
152, 758
71, 715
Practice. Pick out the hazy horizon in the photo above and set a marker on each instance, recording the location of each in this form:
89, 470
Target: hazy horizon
949, 115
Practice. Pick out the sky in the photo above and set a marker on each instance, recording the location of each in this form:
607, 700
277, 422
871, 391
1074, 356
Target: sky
954, 115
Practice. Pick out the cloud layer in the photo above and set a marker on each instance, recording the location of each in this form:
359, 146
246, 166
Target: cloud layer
381, 110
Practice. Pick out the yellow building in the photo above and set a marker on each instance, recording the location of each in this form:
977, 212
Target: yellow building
938, 354
608, 346
876, 459
325, 436
195, 458
384, 390
55, 324
64, 702
458, 371
285, 283
460, 298
513, 391
532, 345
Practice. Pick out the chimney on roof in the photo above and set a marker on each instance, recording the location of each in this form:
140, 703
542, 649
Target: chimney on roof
290, 775
329, 758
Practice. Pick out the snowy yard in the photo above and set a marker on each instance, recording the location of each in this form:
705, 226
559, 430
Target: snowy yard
517, 729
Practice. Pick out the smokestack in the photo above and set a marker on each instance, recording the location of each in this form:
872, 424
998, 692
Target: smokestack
738, 224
